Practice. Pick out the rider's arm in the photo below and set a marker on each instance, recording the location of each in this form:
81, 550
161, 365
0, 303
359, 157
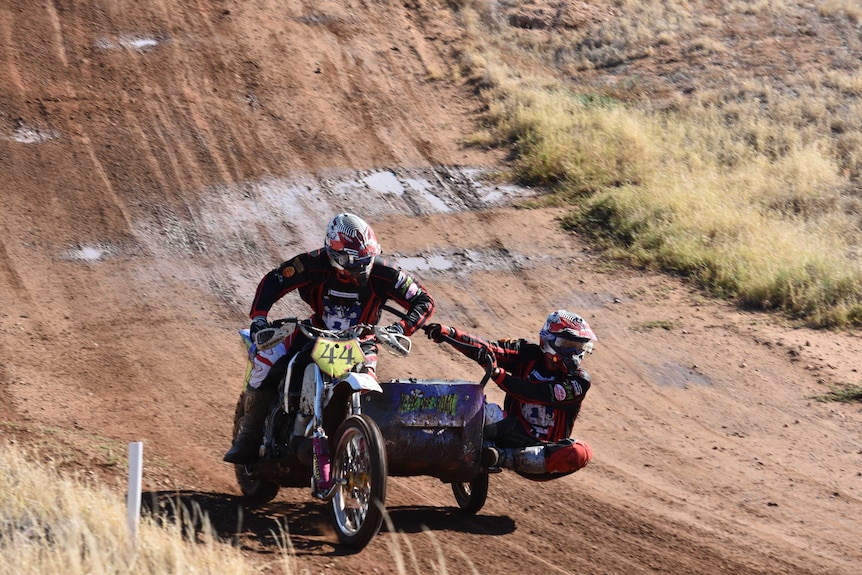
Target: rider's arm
404, 289
505, 351
568, 391
290, 275
519, 355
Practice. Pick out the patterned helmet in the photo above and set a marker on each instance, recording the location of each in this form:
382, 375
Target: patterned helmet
567, 336
351, 246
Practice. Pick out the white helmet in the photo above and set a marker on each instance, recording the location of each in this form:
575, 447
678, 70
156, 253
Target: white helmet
351, 246
567, 336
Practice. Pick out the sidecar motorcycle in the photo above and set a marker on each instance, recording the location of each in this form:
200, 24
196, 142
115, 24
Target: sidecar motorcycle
359, 432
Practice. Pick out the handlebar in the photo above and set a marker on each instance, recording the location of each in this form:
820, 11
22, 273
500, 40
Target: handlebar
278, 331
396, 343
281, 329
487, 360
349, 333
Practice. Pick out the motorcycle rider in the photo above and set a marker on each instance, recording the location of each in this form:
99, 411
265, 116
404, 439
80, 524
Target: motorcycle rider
345, 282
545, 386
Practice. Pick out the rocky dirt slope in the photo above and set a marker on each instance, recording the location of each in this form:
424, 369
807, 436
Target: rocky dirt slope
158, 157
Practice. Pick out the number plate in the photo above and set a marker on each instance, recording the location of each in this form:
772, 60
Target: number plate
335, 358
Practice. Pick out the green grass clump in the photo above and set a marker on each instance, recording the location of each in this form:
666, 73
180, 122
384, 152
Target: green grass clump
843, 394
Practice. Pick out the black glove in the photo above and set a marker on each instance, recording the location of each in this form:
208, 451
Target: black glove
258, 324
395, 328
436, 332
486, 358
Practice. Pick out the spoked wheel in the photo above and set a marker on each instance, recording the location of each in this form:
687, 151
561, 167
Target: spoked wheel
359, 471
256, 492
471, 495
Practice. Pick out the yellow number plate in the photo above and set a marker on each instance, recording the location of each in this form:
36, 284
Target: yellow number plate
336, 358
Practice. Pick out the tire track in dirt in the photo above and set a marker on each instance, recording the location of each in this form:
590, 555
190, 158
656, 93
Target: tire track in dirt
8, 49
53, 15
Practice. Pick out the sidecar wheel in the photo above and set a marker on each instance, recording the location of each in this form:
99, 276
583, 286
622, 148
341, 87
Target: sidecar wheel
359, 471
471, 495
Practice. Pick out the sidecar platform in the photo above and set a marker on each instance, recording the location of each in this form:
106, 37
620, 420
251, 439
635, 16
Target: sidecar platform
431, 427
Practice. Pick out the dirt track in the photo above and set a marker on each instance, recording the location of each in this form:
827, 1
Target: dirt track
157, 158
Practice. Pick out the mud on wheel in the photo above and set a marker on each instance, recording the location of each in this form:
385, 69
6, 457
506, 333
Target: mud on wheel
359, 471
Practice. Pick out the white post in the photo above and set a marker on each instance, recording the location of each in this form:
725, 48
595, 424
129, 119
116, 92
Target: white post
133, 495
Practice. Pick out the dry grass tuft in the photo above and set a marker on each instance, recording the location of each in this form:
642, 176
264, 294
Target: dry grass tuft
52, 522
56, 522
747, 184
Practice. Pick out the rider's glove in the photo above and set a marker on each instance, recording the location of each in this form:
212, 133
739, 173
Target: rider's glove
395, 328
436, 332
486, 358
258, 324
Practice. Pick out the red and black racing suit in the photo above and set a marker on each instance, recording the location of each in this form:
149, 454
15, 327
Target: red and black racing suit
541, 402
337, 301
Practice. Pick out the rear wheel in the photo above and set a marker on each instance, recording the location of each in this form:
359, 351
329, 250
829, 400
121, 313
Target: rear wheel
471, 495
359, 471
255, 492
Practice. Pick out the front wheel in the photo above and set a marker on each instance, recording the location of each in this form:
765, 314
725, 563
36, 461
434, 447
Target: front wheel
471, 495
359, 471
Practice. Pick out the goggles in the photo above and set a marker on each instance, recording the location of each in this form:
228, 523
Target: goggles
569, 346
351, 263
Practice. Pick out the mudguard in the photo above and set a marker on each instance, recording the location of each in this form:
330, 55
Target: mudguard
358, 382
362, 382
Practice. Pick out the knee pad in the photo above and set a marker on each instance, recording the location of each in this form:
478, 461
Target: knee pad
568, 458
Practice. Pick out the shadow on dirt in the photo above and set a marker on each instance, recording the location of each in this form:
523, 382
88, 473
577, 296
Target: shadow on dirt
414, 519
306, 523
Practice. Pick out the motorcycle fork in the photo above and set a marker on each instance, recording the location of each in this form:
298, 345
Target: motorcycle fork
321, 485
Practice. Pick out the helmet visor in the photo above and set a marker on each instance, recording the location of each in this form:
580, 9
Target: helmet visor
357, 268
349, 262
567, 345
357, 264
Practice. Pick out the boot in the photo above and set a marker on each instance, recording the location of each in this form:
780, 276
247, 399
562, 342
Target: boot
496, 458
255, 407
522, 459
529, 459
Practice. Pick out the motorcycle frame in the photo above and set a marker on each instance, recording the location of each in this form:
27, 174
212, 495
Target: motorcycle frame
322, 485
